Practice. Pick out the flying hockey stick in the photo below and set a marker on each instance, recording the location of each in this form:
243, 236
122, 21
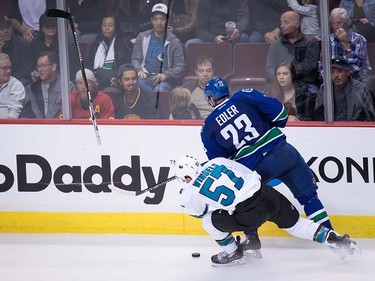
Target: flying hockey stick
56, 13
136, 193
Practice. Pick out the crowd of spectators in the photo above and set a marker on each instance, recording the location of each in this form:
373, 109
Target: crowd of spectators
303, 52
137, 49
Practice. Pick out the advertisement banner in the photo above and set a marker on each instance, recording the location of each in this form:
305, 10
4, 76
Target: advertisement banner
61, 168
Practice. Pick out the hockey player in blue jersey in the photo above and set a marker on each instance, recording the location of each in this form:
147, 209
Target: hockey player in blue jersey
246, 128
230, 197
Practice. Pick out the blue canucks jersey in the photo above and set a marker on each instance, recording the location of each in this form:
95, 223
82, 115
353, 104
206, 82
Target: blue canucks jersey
244, 127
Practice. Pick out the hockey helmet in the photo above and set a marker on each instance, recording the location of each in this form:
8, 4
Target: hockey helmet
216, 88
186, 166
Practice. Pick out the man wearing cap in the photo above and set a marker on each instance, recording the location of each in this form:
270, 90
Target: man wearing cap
352, 46
133, 103
353, 99
158, 55
43, 96
18, 49
102, 103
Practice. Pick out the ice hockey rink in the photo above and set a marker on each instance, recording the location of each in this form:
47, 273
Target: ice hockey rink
76, 257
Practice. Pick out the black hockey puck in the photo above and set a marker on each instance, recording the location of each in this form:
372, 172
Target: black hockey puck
195, 255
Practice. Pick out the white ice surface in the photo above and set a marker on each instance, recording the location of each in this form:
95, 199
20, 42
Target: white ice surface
75, 257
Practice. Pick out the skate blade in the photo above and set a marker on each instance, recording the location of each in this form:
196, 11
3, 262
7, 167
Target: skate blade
255, 253
235, 262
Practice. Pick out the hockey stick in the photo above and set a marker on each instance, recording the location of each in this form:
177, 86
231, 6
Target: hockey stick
271, 183
56, 13
160, 184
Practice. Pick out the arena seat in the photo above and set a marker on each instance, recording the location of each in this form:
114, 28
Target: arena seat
221, 53
163, 104
84, 51
371, 56
249, 66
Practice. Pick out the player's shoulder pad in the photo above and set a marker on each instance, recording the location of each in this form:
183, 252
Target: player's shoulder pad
250, 92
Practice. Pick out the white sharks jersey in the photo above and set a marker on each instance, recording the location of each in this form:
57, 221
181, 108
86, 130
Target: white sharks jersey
220, 184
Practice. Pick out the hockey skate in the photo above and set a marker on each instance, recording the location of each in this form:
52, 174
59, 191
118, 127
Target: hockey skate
224, 259
251, 246
342, 245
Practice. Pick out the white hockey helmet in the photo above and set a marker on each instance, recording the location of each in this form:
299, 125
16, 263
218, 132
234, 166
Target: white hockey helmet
186, 166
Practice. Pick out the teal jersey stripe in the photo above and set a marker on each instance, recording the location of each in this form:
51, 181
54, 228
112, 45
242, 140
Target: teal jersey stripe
321, 234
226, 241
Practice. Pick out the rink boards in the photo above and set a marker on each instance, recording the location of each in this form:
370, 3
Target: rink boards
57, 179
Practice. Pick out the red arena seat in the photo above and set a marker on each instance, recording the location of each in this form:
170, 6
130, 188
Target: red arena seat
249, 66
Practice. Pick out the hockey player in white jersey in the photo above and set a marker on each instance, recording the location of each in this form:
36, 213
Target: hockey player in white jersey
230, 197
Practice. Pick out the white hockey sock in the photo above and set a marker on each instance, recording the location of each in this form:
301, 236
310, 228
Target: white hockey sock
304, 229
230, 248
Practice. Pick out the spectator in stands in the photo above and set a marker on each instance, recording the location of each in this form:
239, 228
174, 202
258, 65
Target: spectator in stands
88, 15
48, 41
123, 8
333, 4
353, 99
109, 50
303, 52
6, 6
362, 17
102, 103
204, 69
133, 103
25, 17
134, 15
283, 89
212, 15
350, 45
181, 106
158, 55
310, 17
18, 50
266, 17
12, 92
182, 18
43, 96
